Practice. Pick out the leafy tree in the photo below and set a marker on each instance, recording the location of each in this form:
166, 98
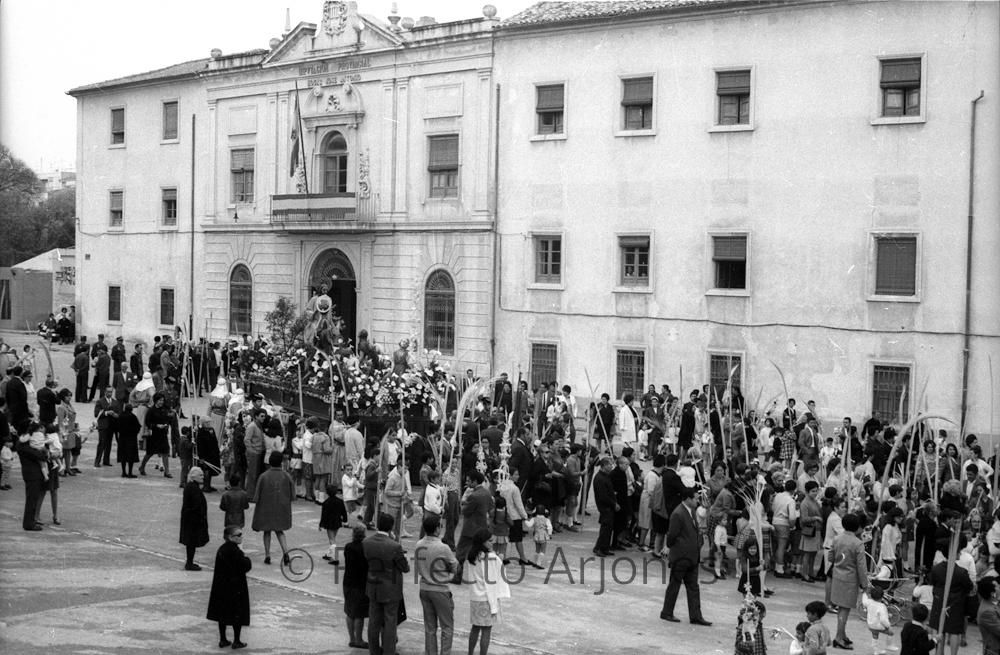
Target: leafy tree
284, 323
28, 227
15, 176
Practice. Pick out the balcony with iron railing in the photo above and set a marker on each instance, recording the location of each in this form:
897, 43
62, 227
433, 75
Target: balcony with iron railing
321, 211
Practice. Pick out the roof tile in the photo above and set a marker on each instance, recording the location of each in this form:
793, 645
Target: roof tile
557, 12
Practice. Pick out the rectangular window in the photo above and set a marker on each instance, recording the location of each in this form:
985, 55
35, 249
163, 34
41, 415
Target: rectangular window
442, 163
544, 363
241, 168
637, 101
117, 204
4, 300
895, 265
114, 303
170, 207
729, 256
118, 126
630, 372
634, 261
166, 306
550, 108
718, 376
169, 120
888, 383
548, 259
733, 91
900, 82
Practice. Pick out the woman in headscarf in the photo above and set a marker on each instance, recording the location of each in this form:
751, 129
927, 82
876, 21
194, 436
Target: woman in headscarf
128, 440
141, 399
158, 442
194, 517
237, 403
218, 407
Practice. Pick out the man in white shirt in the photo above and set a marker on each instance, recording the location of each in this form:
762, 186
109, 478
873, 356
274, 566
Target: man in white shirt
354, 442
785, 513
307, 458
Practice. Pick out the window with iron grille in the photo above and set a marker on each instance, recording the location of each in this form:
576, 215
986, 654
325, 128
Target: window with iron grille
637, 103
117, 204
170, 207
548, 259
634, 261
241, 169
550, 108
733, 91
166, 306
719, 366
442, 163
4, 300
630, 372
439, 313
888, 383
900, 83
114, 303
729, 257
544, 363
169, 120
240, 301
896, 265
118, 126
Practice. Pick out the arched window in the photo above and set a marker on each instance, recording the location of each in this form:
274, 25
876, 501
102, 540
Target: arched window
439, 313
240, 301
335, 164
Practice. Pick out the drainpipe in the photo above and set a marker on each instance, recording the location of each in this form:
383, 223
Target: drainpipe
496, 235
968, 263
191, 272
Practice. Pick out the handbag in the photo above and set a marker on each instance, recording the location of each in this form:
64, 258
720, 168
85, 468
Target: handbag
401, 611
808, 530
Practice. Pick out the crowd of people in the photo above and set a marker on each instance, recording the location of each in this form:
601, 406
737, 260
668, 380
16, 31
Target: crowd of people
887, 523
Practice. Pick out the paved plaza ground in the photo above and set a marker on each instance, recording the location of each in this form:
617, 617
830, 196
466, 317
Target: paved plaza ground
110, 579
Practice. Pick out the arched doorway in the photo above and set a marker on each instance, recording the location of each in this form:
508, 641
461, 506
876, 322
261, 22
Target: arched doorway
334, 269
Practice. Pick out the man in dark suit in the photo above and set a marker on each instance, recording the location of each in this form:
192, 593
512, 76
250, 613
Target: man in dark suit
520, 458
118, 353
673, 486
607, 506
685, 436
477, 503
494, 434
32, 461
135, 362
16, 396
106, 411
684, 543
47, 401
384, 588
102, 374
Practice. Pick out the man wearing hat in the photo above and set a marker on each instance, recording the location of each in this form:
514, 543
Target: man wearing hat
102, 370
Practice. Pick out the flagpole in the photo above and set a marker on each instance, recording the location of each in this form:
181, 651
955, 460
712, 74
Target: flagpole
302, 140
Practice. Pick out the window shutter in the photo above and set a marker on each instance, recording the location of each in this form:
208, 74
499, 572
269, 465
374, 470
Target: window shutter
550, 98
443, 153
170, 194
633, 242
117, 120
896, 266
733, 83
170, 120
900, 73
637, 91
242, 160
116, 200
730, 249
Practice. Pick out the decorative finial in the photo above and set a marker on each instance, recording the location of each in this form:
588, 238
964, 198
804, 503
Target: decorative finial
489, 11
394, 18
288, 20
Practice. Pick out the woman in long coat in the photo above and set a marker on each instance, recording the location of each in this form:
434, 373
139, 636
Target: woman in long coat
218, 406
850, 574
355, 580
229, 602
141, 399
128, 440
273, 496
68, 435
954, 612
158, 422
322, 453
194, 517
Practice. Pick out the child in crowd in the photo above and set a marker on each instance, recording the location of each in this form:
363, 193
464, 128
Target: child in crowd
36, 438
914, 638
6, 463
332, 516
185, 450
500, 528
352, 489
878, 617
541, 532
817, 635
828, 452
750, 630
797, 647
750, 566
923, 593
234, 502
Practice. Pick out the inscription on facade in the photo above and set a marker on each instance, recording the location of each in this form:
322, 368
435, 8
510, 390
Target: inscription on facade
333, 80
357, 63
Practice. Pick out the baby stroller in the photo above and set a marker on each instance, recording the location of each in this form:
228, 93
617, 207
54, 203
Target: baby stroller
883, 576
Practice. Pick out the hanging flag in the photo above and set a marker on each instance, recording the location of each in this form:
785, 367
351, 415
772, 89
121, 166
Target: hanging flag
295, 152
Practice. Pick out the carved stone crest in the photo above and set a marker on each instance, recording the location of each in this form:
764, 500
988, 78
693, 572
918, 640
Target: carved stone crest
334, 17
364, 186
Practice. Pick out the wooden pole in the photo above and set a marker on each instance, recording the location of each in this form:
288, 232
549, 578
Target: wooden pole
949, 575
